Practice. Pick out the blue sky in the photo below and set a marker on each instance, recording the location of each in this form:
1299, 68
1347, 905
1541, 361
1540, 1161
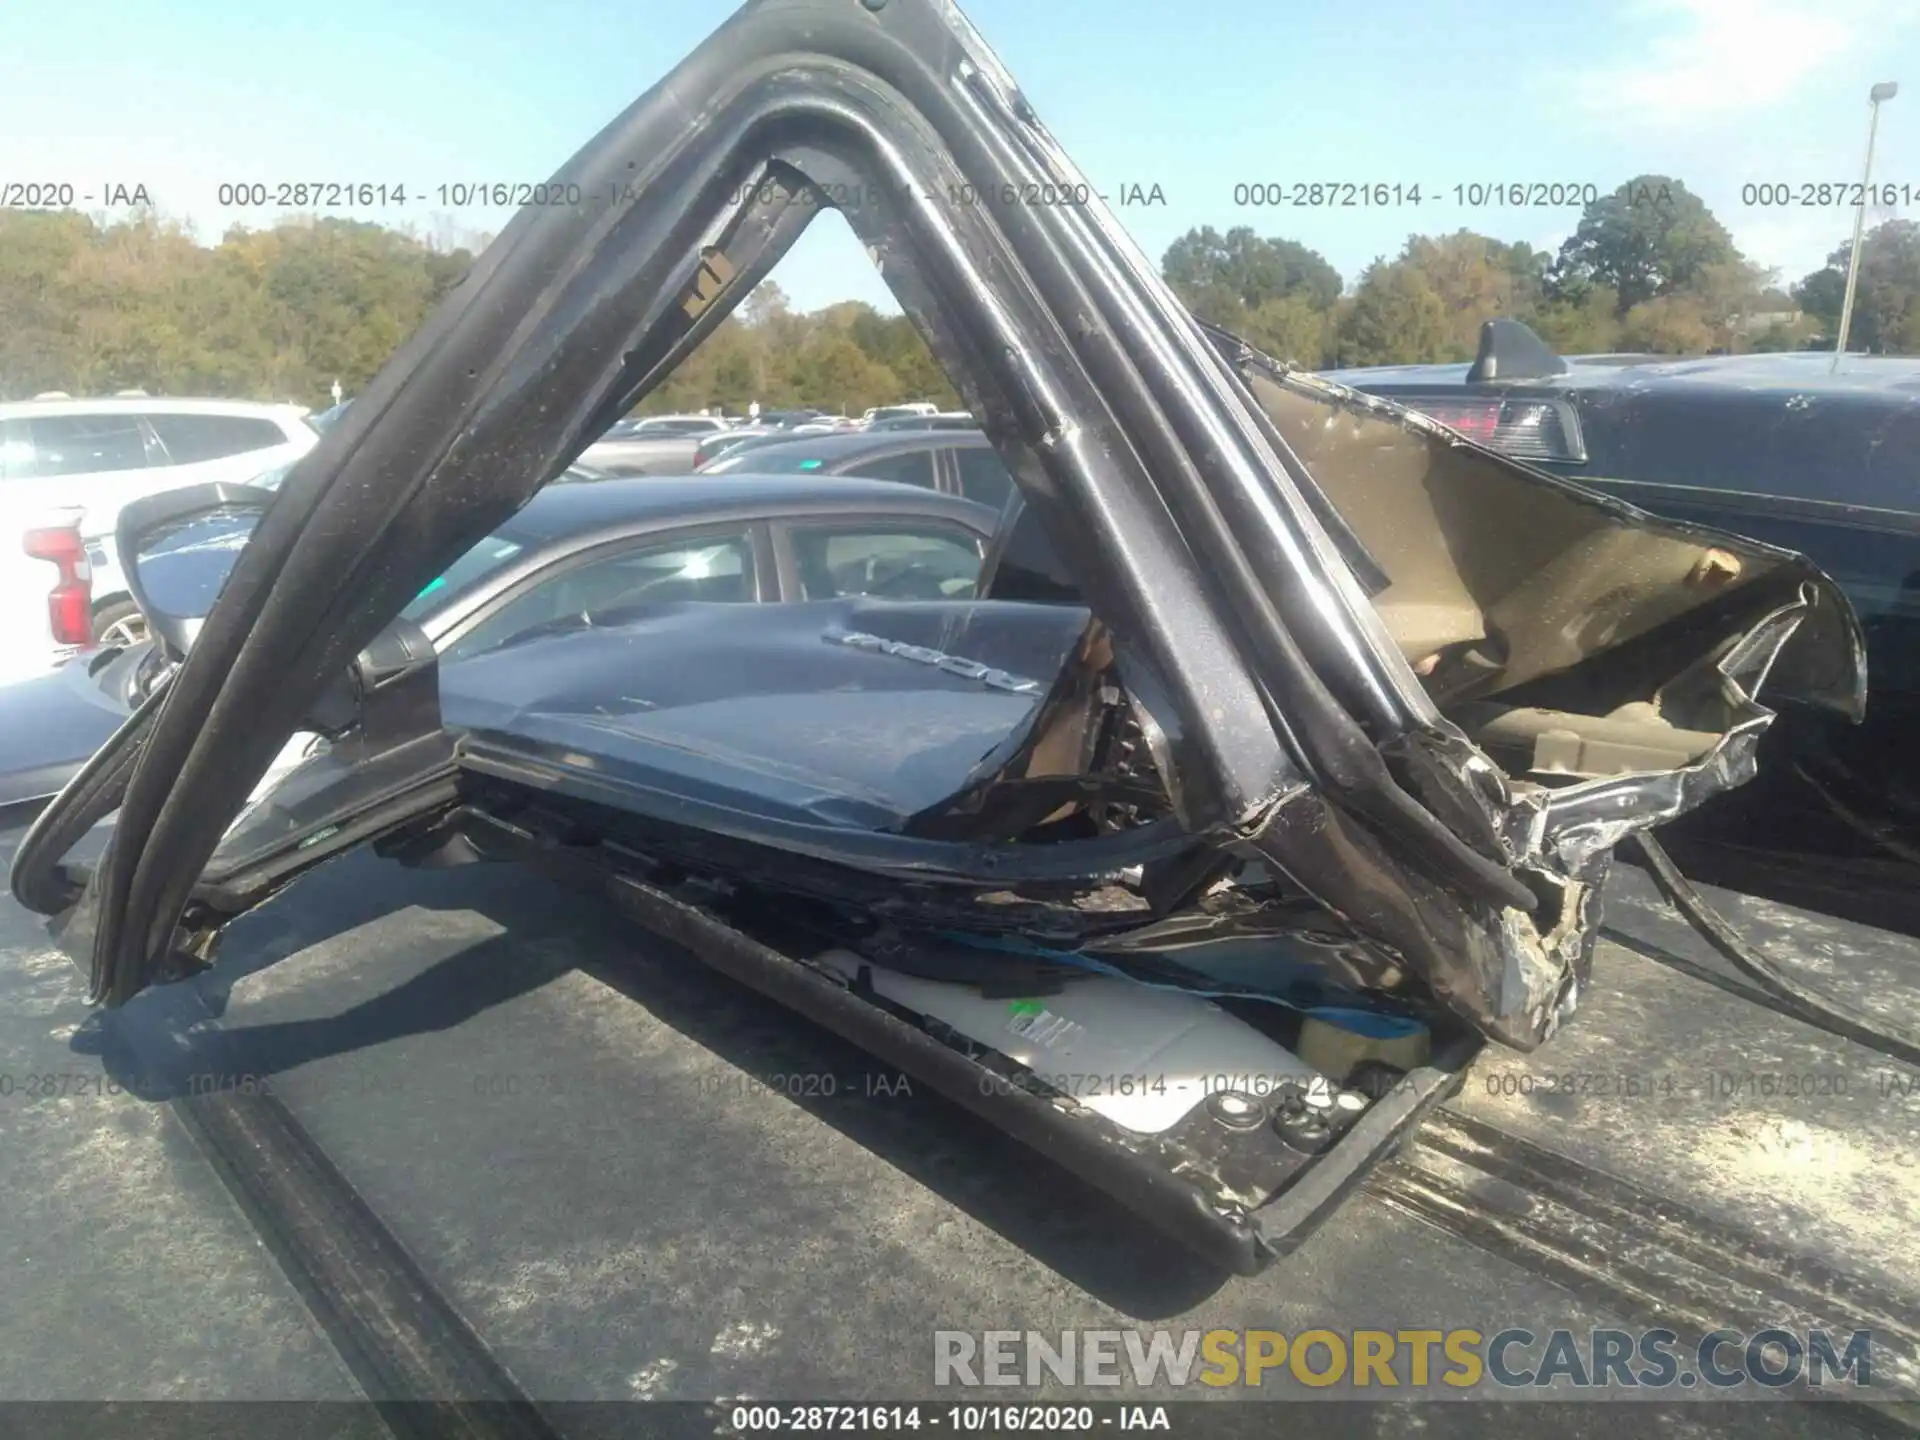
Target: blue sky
1195, 97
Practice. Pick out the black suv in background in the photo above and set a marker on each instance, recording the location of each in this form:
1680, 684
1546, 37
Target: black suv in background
1782, 448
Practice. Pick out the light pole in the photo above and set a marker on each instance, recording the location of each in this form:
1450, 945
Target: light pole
1884, 91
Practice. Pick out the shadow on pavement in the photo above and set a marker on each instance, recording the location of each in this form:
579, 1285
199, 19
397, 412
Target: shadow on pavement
169, 1042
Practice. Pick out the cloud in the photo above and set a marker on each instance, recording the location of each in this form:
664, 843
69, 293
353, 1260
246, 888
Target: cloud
1690, 60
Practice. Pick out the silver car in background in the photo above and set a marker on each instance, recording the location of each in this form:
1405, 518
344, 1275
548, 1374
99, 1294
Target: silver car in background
658, 445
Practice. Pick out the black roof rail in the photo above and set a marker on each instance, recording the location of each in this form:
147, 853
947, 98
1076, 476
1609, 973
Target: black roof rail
1511, 351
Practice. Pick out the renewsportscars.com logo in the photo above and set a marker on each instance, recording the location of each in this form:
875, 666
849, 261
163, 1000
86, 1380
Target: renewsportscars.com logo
1460, 1359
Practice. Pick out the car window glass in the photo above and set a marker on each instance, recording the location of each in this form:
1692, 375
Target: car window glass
730, 453
708, 569
897, 563
1027, 567
494, 553
783, 456
16, 451
908, 467
191, 438
86, 444
983, 478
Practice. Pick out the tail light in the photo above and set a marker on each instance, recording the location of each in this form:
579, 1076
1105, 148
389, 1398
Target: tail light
70, 602
1525, 429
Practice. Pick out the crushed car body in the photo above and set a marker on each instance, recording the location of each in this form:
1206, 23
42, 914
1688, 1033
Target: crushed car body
1256, 664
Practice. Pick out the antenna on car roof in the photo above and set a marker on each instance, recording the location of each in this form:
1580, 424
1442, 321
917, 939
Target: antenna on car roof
1510, 351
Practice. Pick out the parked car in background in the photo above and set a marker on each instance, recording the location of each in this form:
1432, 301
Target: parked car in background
898, 412
675, 425
752, 437
625, 450
942, 420
713, 447
787, 419
75, 462
584, 547
1780, 448
958, 462
118, 621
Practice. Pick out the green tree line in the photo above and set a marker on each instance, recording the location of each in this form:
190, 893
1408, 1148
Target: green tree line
1648, 268
90, 306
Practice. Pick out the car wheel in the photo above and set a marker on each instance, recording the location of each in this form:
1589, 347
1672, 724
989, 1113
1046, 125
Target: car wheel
119, 623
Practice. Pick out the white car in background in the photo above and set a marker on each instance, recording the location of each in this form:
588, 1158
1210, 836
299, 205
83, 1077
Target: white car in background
896, 412
66, 468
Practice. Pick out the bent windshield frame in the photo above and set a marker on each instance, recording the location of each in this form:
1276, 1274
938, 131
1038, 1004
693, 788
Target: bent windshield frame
1282, 713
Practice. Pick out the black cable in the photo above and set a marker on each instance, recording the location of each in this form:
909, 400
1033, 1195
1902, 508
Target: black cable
1833, 1016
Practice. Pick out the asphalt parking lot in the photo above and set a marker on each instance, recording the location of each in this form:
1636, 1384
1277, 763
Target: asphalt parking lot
598, 1152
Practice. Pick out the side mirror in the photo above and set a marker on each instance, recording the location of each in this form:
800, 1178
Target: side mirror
389, 696
177, 549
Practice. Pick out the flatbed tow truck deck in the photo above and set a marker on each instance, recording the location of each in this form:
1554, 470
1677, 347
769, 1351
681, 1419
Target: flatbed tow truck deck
531, 1154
